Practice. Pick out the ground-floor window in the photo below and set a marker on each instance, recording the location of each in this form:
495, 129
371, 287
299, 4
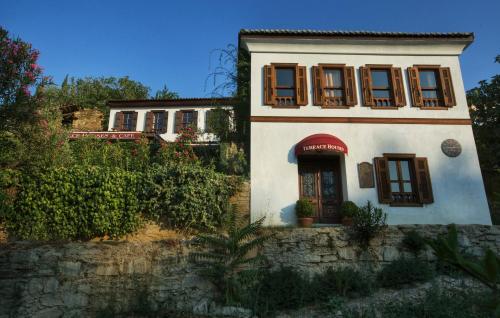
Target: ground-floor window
320, 182
403, 179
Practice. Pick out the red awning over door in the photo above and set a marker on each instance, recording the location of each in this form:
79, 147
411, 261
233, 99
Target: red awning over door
320, 144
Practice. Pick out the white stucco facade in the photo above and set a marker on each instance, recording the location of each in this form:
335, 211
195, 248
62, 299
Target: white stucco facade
457, 184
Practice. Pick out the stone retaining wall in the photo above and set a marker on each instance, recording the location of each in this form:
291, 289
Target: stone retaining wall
95, 278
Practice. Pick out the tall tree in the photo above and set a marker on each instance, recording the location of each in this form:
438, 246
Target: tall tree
484, 106
165, 93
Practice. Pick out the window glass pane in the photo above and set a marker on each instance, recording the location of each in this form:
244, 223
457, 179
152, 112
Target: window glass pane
285, 77
394, 187
334, 92
283, 92
127, 121
308, 184
430, 94
333, 77
427, 79
159, 120
393, 170
381, 93
187, 118
380, 78
405, 170
407, 187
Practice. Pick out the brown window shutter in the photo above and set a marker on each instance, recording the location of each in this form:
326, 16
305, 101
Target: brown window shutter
423, 180
317, 86
178, 121
269, 98
150, 117
165, 123
366, 85
383, 183
416, 92
195, 120
447, 87
301, 86
134, 121
118, 121
350, 86
398, 87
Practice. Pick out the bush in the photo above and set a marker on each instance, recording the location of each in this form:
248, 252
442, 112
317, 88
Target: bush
344, 282
304, 208
187, 195
368, 222
283, 289
75, 203
348, 209
404, 271
414, 242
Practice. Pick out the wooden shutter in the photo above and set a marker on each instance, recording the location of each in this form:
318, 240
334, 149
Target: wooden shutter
301, 86
416, 91
447, 87
178, 121
350, 86
134, 121
398, 87
366, 85
383, 183
150, 117
423, 180
194, 124
317, 85
118, 121
269, 96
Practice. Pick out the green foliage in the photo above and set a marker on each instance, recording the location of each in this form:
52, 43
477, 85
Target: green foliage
219, 122
368, 222
304, 208
227, 262
187, 195
165, 93
486, 270
414, 242
348, 209
277, 290
404, 271
231, 159
343, 282
75, 203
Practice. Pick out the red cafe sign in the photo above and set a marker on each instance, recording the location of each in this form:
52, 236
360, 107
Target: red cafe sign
124, 135
320, 143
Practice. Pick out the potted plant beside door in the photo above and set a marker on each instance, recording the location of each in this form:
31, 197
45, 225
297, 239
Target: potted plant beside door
347, 210
304, 210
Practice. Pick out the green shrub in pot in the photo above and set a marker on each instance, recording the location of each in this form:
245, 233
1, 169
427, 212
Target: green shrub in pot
304, 210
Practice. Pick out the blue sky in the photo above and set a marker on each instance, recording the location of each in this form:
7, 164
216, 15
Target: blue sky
169, 42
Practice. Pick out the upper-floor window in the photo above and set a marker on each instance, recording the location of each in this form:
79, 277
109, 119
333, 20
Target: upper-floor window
334, 86
186, 118
382, 86
285, 85
159, 121
431, 86
403, 179
125, 121
156, 121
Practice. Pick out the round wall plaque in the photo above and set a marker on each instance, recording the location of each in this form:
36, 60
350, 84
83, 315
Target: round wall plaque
451, 147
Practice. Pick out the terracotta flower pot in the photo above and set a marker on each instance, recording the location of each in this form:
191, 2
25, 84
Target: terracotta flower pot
347, 221
305, 222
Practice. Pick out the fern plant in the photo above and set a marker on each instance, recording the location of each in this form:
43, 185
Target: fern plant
228, 263
486, 270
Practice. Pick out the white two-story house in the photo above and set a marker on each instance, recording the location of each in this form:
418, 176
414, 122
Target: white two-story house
165, 117
362, 116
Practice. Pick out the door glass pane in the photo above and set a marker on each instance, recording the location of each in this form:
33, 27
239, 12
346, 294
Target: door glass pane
407, 187
327, 184
333, 78
428, 79
308, 184
405, 170
394, 187
393, 170
380, 78
285, 77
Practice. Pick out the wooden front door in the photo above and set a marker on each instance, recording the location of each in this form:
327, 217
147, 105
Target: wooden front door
320, 183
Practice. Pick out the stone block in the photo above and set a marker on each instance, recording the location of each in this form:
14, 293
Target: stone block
51, 285
390, 253
75, 300
106, 270
48, 313
69, 268
50, 300
346, 253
